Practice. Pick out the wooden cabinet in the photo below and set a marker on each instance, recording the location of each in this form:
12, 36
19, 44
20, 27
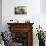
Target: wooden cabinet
22, 33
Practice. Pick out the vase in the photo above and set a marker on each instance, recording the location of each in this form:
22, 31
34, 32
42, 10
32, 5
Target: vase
41, 43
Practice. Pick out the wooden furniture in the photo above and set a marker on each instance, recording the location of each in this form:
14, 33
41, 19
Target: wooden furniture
22, 33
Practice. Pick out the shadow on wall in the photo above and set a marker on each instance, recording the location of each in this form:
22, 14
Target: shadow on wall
43, 6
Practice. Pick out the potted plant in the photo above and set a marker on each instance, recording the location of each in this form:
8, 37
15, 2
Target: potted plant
41, 36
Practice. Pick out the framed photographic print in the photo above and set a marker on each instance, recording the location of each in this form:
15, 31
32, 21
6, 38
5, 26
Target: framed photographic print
20, 10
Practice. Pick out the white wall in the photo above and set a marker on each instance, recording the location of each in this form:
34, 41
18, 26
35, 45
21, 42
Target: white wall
43, 14
0, 15
33, 14
33, 10
43, 6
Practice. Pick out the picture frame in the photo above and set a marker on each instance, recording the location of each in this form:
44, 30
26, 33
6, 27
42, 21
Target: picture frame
20, 10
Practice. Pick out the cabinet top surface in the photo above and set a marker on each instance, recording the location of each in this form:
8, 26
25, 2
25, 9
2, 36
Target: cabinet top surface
19, 23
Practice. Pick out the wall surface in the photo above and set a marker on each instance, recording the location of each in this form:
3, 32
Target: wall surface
33, 11
43, 6
0, 15
34, 14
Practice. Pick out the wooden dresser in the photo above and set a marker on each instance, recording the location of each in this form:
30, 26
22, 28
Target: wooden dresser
22, 33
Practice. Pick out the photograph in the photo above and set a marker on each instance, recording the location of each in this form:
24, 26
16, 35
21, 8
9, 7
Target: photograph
20, 10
